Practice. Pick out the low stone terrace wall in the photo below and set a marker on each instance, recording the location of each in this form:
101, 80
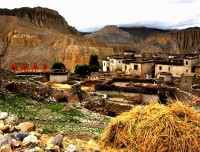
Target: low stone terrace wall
141, 89
130, 80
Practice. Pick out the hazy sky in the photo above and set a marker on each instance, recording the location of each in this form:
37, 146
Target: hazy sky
88, 14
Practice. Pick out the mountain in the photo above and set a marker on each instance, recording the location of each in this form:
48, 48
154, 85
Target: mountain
40, 34
42, 17
112, 34
143, 32
150, 39
174, 41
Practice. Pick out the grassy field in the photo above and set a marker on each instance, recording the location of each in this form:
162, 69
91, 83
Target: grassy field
54, 113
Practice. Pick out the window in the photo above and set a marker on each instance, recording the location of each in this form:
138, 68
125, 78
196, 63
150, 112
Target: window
112, 61
104, 64
125, 67
135, 67
119, 61
186, 70
160, 67
186, 62
169, 68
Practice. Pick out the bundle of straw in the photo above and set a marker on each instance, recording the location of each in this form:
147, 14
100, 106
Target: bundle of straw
154, 128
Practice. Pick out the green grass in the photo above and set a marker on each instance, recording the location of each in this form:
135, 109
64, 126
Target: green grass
56, 128
23, 108
29, 109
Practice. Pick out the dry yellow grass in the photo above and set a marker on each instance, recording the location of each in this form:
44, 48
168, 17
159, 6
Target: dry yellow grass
154, 128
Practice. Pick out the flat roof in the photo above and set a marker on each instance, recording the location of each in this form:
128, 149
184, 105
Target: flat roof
178, 63
137, 61
188, 74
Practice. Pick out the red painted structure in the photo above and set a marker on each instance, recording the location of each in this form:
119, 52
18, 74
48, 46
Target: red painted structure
35, 67
44, 66
14, 67
24, 67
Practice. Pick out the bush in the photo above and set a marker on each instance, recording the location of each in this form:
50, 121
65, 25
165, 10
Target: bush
82, 70
94, 68
94, 60
58, 65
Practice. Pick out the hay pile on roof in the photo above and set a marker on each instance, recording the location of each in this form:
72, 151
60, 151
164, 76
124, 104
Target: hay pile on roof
154, 128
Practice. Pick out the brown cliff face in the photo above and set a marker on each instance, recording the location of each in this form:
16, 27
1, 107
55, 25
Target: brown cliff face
21, 40
178, 41
42, 17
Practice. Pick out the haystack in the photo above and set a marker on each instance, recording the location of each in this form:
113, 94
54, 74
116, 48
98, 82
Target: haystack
154, 128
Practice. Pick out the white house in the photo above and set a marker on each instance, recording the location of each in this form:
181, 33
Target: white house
138, 67
116, 63
177, 67
106, 65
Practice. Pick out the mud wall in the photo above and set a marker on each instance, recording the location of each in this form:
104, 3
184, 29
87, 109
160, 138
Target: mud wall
146, 98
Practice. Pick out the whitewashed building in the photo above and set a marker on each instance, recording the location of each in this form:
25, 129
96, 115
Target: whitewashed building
177, 67
141, 68
106, 65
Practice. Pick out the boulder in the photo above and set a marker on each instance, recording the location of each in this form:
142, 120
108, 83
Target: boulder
21, 135
3, 115
6, 148
30, 140
5, 128
96, 149
16, 144
5, 140
26, 126
57, 140
71, 148
12, 120
52, 148
59, 96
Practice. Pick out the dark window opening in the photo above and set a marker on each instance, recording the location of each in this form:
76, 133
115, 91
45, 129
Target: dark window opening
135, 67
169, 68
160, 67
186, 63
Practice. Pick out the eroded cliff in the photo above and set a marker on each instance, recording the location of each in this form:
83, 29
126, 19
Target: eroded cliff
177, 41
22, 40
42, 17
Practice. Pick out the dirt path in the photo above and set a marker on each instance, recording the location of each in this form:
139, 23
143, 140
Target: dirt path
64, 123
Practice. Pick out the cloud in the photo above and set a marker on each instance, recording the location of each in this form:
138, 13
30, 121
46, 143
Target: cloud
184, 1
191, 22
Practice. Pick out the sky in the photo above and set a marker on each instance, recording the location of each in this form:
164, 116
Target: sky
89, 15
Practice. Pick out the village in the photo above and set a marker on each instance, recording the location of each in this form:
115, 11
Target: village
181, 70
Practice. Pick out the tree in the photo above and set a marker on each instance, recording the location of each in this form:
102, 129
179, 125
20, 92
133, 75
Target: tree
81, 70
94, 68
58, 66
94, 60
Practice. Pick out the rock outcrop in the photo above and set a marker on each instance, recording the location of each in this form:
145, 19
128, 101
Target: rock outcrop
41, 38
177, 41
151, 40
42, 17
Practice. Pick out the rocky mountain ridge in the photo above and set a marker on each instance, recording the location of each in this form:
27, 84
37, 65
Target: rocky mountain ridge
42, 17
112, 34
25, 40
176, 41
151, 40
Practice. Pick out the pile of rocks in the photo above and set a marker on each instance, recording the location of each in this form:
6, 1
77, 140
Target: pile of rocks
22, 137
